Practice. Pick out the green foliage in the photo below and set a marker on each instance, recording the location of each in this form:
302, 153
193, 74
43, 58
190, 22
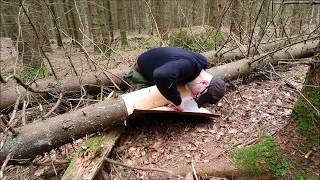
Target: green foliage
307, 117
38, 72
204, 42
302, 176
262, 155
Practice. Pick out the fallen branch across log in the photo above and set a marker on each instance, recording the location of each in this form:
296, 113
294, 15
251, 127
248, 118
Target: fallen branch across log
40, 137
70, 84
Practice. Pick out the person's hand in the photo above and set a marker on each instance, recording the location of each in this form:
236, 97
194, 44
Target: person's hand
174, 107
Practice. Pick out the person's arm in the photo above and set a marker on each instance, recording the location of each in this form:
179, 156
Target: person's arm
168, 76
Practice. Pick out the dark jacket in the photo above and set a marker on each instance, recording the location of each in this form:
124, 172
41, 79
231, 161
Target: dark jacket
166, 67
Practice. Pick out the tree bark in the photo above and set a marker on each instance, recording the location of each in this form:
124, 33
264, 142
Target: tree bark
214, 10
245, 66
110, 19
160, 18
94, 25
53, 10
122, 22
75, 21
236, 16
54, 132
69, 84
103, 26
37, 138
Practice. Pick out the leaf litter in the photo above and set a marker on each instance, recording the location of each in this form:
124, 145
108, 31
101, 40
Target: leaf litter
247, 111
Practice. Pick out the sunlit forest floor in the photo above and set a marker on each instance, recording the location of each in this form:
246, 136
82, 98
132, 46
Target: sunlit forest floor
259, 104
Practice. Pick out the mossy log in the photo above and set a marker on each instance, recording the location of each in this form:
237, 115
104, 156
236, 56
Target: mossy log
87, 161
40, 137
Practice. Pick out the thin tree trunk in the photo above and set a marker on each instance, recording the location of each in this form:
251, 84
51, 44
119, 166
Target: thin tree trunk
29, 49
236, 14
54, 20
264, 17
122, 22
296, 26
94, 25
75, 21
66, 13
103, 24
160, 18
214, 8
110, 20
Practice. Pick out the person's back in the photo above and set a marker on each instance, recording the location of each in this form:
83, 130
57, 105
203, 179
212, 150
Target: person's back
188, 66
167, 67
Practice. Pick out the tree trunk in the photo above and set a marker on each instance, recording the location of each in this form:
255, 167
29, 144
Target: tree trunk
110, 19
66, 7
9, 13
94, 25
103, 26
75, 21
54, 20
29, 49
244, 66
54, 132
264, 17
236, 16
160, 18
72, 84
214, 10
122, 22
36, 138
296, 25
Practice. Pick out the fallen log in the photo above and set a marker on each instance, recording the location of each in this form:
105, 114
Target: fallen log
92, 80
40, 137
243, 67
88, 160
229, 54
221, 169
69, 84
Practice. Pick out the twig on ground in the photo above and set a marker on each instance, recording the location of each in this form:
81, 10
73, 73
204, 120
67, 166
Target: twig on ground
141, 168
5, 80
4, 165
23, 119
28, 87
16, 105
55, 106
194, 171
83, 90
8, 127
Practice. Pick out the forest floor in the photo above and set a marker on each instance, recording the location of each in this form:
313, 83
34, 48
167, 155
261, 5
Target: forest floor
261, 104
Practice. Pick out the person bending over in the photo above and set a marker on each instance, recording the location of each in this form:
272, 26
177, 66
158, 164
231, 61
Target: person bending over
166, 67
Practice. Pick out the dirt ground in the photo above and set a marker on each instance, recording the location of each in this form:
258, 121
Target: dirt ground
260, 104
264, 105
